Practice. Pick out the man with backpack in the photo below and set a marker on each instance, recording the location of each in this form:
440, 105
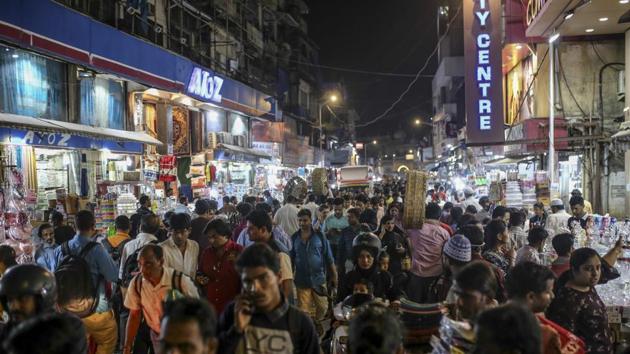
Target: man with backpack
149, 226
313, 260
115, 244
149, 289
83, 271
144, 209
261, 320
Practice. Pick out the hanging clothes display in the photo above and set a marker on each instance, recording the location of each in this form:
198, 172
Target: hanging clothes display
168, 171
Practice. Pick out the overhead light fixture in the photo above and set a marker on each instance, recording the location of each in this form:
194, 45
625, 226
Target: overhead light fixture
554, 37
624, 1
15, 56
589, 30
603, 19
518, 46
568, 15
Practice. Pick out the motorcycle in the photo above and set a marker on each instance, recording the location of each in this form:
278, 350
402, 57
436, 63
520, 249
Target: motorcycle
342, 314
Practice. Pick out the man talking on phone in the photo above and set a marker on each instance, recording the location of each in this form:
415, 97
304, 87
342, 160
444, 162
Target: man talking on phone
260, 320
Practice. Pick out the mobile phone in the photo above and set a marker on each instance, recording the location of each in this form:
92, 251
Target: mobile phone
249, 290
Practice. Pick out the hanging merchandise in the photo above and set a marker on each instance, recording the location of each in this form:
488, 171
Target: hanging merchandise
151, 168
211, 173
168, 172
495, 192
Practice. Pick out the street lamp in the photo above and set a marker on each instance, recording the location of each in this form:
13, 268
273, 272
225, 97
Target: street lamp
332, 99
374, 142
417, 121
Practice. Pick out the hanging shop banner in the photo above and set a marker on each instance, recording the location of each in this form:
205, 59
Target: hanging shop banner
181, 134
482, 43
65, 141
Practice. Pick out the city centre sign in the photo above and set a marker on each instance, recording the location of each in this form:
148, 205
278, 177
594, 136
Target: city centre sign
205, 85
483, 76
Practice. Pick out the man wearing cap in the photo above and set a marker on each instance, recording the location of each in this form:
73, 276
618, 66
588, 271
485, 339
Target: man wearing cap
469, 194
455, 255
559, 219
588, 208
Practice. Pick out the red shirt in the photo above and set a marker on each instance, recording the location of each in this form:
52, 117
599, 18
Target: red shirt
220, 267
238, 229
557, 339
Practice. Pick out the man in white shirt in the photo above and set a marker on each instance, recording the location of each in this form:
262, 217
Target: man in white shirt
557, 222
469, 193
148, 290
286, 217
149, 225
180, 253
311, 205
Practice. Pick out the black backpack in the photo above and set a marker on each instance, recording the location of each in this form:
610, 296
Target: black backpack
77, 293
115, 252
131, 267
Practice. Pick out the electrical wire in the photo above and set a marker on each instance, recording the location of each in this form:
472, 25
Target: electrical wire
598, 55
417, 76
356, 71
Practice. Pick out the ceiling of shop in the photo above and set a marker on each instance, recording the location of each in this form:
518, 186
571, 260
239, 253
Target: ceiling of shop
587, 15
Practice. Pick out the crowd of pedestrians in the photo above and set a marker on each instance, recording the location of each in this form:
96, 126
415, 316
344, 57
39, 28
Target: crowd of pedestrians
254, 277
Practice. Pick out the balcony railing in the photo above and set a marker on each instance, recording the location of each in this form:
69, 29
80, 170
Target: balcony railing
180, 27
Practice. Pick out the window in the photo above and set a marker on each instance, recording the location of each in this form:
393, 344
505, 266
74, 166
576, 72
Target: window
32, 85
102, 103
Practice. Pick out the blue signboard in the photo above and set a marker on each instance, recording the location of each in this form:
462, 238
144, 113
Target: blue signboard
47, 26
66, 141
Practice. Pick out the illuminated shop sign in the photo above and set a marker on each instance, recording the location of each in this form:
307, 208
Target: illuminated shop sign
533, 9
205, 85
482, 41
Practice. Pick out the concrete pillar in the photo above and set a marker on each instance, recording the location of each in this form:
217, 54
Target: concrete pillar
626, 112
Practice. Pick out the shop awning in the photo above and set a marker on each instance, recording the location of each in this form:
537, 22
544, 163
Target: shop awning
243, 150
508, 160
47, 125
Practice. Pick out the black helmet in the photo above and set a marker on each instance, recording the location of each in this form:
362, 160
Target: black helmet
368, 242
29, 279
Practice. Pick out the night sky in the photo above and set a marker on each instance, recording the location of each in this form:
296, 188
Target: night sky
386, 36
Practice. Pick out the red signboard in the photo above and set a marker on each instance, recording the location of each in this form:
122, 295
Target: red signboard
482, 43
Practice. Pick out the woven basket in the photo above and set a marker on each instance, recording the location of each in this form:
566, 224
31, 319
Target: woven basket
319, 177
413, 215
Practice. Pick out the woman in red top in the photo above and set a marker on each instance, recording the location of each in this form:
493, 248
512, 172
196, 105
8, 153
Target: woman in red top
217, 272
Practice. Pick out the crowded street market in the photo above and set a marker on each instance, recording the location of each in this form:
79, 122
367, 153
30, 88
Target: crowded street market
291, 176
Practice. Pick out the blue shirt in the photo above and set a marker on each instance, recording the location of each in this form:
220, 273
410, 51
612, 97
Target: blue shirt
45, 256
100, 262
310, 257
333, 222
278, 235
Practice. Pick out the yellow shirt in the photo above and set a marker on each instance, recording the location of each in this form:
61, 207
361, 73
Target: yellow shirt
588, 207
118, 238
